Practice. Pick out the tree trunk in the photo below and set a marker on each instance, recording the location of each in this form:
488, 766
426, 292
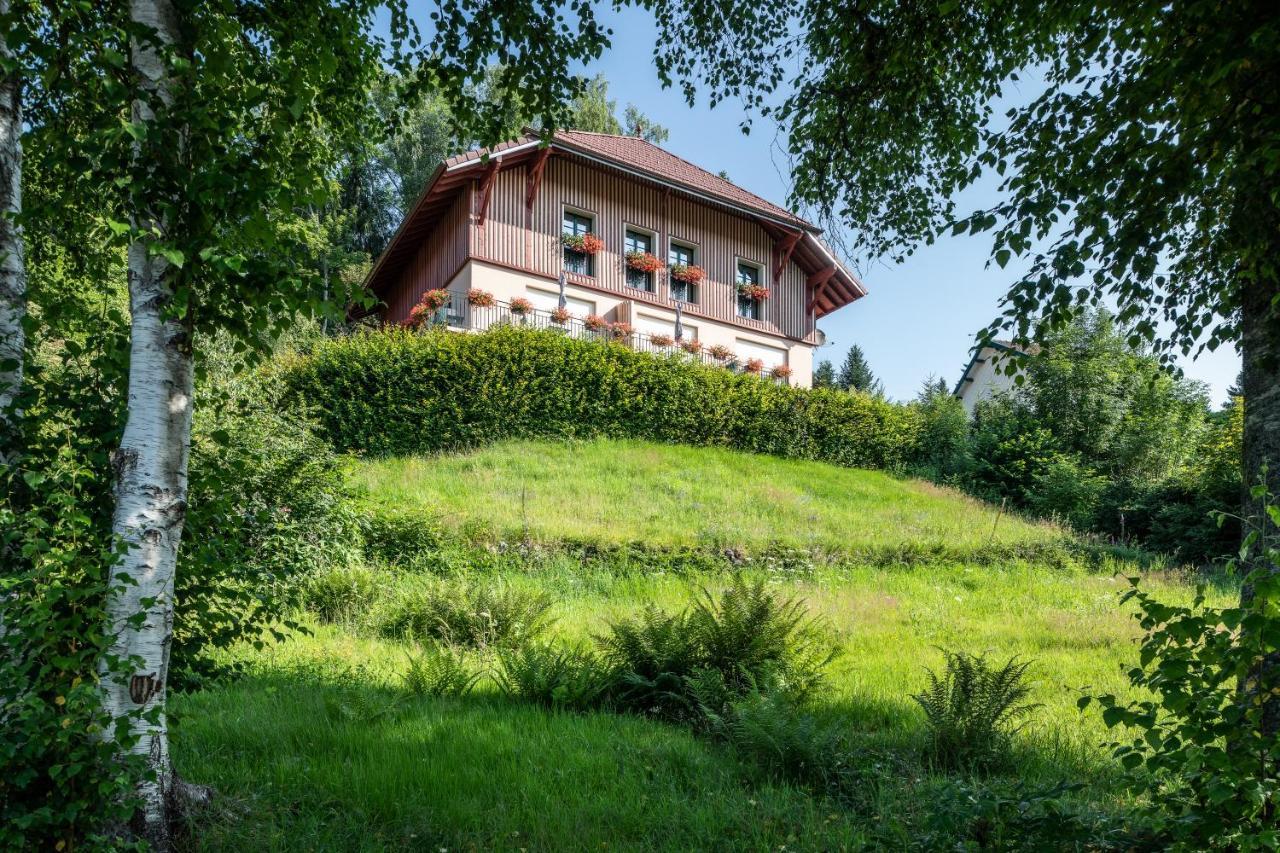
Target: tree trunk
151, 475
13, 280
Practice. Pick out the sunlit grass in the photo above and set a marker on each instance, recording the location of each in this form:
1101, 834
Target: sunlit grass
631, 491
298, 772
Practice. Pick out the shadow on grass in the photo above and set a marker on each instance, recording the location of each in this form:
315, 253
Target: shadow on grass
303, 763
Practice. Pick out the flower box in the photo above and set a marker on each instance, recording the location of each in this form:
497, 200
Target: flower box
753, 365
561, 316
620, 331
688, 273
595, 323
521, 306
781, 371
661, 340
753, 291
720, 352
692, 346
481, 299
583, 244
643, 262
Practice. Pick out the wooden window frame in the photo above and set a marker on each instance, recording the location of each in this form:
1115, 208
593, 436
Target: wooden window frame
694, 251
651, 279
756, 305
565, 210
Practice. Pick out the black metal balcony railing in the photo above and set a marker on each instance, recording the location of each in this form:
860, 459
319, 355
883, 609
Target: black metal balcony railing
462, 315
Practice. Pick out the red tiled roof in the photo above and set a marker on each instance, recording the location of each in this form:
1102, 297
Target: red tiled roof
643, 156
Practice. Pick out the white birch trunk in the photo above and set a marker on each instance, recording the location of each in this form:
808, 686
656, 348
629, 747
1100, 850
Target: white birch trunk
13, 280
151, 477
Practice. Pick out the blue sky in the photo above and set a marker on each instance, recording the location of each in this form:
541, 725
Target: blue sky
921, 316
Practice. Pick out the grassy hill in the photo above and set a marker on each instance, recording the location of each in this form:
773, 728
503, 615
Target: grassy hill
670, 495
321, 747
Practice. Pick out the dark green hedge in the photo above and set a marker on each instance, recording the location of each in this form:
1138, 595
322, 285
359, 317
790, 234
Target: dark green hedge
398, 392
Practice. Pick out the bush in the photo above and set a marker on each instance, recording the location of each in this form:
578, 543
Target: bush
1204, 748
466, 613
1065, 489
553, 676
971, 709
438, 671
341, 591
399, 536
396, 392
687, 665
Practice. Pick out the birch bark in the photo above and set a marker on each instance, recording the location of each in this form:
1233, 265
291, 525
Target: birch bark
13, 280
150, 472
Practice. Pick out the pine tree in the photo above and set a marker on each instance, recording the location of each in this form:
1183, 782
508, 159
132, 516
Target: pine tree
825, 375
856, 375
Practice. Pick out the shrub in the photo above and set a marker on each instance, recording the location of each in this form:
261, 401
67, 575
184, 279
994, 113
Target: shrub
465, 613
394, 392
686, 665
1066, 489
552, 676
971, 710
399, 536
1204, 747
438, 671
340, 592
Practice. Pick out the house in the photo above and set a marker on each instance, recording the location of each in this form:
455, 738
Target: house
985, 375
621, 236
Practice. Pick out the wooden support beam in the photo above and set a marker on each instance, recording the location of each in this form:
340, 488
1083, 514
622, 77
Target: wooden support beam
782, 249
486, 188
535, 177
819, 281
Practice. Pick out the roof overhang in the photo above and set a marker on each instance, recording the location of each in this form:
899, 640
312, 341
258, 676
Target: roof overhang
810, 253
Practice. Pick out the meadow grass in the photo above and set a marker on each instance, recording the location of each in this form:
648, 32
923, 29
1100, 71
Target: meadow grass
667, 495
320, 747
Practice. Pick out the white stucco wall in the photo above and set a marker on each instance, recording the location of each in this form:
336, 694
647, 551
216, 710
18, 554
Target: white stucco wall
984, 379
506, 284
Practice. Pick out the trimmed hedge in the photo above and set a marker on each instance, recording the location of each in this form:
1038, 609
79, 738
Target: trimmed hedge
399, 392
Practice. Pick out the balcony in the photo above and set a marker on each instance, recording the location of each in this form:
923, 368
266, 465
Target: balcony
461, 315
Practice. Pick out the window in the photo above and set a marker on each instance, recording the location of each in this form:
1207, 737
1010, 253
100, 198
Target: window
748, 276
637, 241
681, 255
577, 225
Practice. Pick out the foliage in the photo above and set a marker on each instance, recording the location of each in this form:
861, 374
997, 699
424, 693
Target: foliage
439, 671
595, 113
520, 306
643, 261
398, 535
1065, 489
1153, 191
583, 244
552, 675
944, 432
340, 592
855, 374
690, 273
1204, 748
692, 664
971, 709
465, 613
824, 375
442, 391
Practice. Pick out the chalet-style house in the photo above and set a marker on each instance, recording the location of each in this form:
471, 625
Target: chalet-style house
612, 235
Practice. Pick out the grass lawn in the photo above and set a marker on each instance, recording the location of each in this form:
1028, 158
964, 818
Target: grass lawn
321, 748
632, 491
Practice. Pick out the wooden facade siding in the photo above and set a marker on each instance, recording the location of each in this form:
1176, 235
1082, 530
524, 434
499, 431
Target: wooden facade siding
518, 237
615, 202
435, 263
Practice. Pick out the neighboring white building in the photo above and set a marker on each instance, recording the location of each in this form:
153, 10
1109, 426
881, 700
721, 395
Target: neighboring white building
984, 377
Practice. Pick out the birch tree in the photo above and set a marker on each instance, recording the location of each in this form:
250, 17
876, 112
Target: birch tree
12, 270
239, 114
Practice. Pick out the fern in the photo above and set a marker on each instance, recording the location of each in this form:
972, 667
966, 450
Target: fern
439, 672
553, 677
972, 709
